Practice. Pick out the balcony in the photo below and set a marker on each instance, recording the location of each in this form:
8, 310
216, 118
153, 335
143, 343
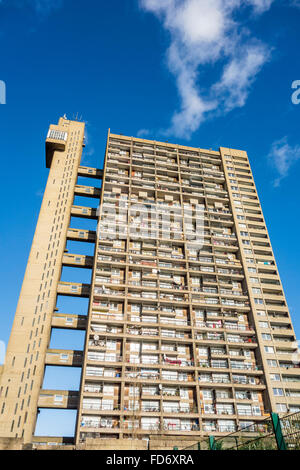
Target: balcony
87, 191
108, 425
61, 357
56, 141
90, 172
81, 235
67, 321
73, 289
84, 212
78, 261
58, 399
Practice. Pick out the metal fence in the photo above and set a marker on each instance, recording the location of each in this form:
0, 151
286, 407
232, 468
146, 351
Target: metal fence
274, 433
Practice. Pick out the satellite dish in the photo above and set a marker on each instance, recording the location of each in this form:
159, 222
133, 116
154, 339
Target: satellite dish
96, 337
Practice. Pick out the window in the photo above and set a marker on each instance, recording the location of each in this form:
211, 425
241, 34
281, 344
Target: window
58, 135
113, 306
207, 394
222, 408
247, 251
245, 234
58, 398
275, 377
294, 409
208, 409
256, 290
184, 393
259, 301
278, 392
261, 313
269, 349
135, 308
266, 337
252, 270
272, 363
281, 408
254, 280
263, 324
226, 425
256, 411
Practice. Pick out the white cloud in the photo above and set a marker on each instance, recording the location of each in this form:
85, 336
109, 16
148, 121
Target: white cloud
239, 74
143, 133
89, 150
283, 156
202, 34
260, 5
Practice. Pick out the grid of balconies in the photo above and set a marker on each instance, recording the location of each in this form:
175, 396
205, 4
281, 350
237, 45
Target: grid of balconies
171, 347
276, 336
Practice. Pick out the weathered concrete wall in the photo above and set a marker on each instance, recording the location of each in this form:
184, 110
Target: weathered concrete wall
114, 444
8, 443
155, 443
169, 442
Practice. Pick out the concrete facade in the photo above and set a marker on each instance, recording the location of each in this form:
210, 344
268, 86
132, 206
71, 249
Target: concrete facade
183, 339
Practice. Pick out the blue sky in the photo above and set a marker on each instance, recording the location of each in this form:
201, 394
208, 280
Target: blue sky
195, 72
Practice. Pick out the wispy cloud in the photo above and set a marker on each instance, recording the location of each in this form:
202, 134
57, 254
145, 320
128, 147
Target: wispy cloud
204, 33
45, 6
143, 133
41, 7
282, 156
39, 193
295, 3
260, 5
89, 150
